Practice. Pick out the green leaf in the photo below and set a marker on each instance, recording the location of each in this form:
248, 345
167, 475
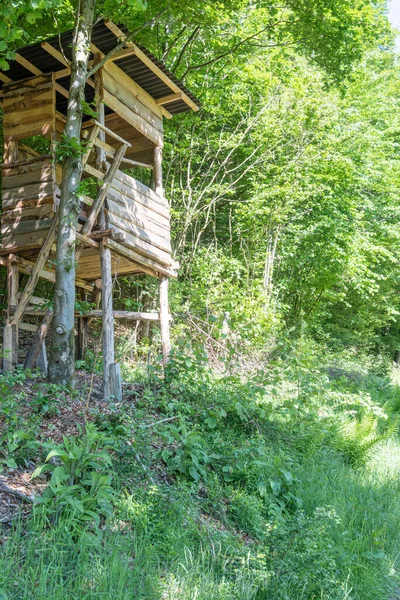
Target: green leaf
194, 473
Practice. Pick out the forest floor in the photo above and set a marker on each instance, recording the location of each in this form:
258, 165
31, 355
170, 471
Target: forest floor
282, 487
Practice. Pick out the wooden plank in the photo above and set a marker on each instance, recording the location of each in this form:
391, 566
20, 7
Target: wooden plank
39, 127
28, 85
27, 65
26, 266
144, 234
98, 203
139, 259
26, 204
134, 89
132, 198
141, 216
28, 327
117, 89
25, 241
18, 215
133, 184
153, 67
168, 99
26, 161
34, 172
27, 192
147, 249
14, 105
133, 119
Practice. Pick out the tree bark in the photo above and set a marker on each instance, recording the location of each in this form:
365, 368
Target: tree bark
62, 356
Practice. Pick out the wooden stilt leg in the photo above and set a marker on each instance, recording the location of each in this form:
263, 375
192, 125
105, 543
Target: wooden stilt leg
108, 322
10, 337
164, 318
37, 351
42, 363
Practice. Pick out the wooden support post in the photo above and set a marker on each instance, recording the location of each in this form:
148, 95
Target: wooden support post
10, 337
83, 332
164, 318
8, 347
42, 362
11, 151
108, 321
158, 184
37, 351
115, 379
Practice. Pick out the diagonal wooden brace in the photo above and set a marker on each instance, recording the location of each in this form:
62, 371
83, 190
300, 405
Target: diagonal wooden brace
33, 279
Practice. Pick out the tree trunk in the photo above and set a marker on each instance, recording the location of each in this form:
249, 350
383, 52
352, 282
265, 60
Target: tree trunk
62, 357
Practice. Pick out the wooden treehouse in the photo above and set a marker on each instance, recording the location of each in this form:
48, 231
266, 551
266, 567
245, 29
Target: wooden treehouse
124, 221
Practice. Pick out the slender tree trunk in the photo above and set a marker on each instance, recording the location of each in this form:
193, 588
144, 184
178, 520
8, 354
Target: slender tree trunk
62, 357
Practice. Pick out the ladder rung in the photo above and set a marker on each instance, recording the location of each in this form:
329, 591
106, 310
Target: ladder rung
94, 172
112, 134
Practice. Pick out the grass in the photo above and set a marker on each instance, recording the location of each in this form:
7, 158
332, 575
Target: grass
228, 490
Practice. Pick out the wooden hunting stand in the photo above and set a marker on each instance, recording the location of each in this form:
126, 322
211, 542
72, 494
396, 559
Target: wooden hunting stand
124, 222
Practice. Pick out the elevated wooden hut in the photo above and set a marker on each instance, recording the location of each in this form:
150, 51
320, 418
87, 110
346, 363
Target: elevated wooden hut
124, 217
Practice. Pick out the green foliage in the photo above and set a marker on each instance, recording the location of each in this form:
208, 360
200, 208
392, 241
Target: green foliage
79, 491
69, 147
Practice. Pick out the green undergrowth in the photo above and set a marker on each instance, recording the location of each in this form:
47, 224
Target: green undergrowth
283, 486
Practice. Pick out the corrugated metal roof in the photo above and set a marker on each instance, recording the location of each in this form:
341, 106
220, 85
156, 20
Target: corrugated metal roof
105, 40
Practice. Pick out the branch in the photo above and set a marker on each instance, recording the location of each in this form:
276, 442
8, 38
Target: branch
4, 489
232, 49
123, 43
190, 39
174, 41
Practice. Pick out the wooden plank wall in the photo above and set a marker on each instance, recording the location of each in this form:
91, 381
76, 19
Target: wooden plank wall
29, 107
29, 200
141, 216
132, 103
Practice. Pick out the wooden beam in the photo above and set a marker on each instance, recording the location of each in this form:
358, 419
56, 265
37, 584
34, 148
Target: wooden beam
61, 90
34, 277
4, 78
148, 265
127, 315
55, 53
170, 98
27, 65
27, 266
86, 241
